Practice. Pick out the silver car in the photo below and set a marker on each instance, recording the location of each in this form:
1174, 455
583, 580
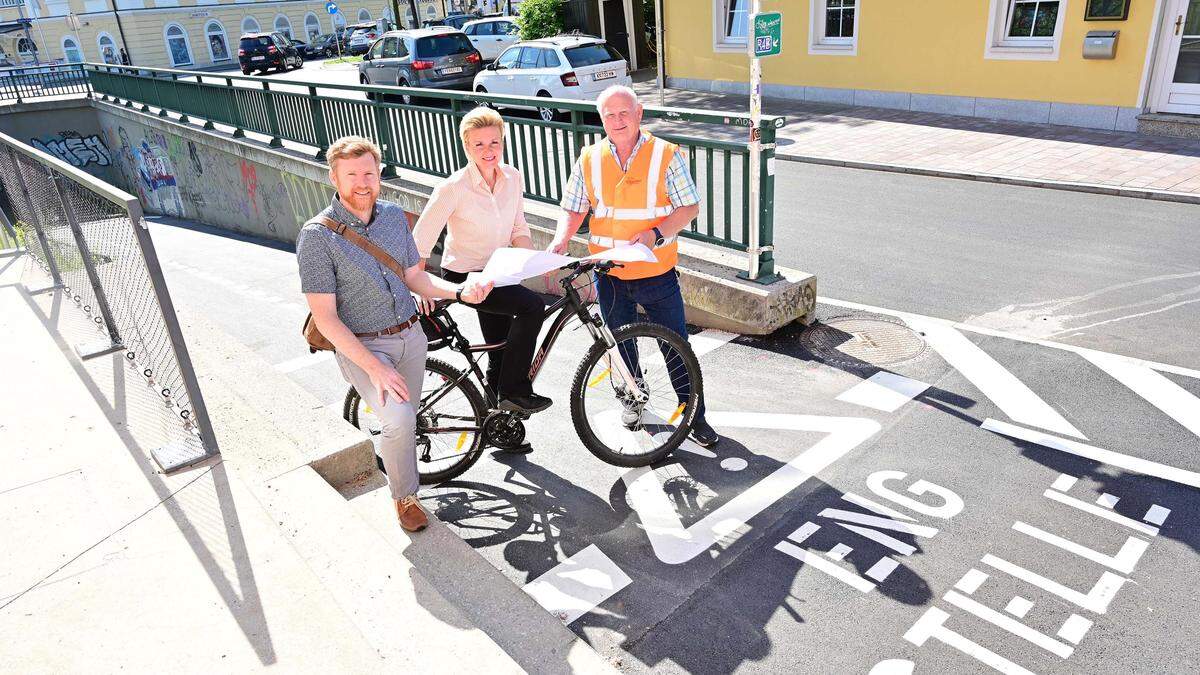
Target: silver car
433, 58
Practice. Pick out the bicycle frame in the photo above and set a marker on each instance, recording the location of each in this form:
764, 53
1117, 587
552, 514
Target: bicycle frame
569, 306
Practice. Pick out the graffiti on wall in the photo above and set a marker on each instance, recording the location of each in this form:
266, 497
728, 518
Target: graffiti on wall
74, 148
148, 168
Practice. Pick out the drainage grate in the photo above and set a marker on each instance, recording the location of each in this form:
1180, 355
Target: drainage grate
862, 341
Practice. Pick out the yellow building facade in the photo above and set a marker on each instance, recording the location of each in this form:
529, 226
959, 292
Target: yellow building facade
1005, 59
172, 33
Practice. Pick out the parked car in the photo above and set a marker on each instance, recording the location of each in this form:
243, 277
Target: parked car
492, 36
322, 47
433, 58
454, 21
264, 51
570, 66
363, 35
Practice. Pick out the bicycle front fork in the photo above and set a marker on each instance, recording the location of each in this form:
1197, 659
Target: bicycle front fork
615, 362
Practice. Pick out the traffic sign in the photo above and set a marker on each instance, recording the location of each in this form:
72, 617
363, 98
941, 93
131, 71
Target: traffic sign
768, 34
331, 7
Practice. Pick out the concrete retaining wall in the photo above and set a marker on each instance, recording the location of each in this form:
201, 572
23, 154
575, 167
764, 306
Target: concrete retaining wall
67, 129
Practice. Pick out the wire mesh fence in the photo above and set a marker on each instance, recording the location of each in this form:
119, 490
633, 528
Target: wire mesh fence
91, 243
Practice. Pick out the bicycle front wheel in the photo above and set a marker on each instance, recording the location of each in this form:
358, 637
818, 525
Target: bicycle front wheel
621, 428
449, 422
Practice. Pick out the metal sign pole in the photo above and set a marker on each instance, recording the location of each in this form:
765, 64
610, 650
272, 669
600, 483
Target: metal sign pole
755, 142
662, 59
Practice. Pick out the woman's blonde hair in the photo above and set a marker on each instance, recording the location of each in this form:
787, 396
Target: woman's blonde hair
351, 147
480, 118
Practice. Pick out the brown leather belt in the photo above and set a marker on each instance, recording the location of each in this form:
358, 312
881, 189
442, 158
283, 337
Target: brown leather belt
390, 331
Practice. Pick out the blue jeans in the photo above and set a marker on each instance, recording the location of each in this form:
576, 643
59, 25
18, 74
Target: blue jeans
662, 300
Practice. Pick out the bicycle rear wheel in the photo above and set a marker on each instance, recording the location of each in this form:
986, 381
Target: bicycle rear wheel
449, 422
610, 423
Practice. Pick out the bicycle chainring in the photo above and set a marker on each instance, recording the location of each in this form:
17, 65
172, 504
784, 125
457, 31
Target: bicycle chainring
503, 430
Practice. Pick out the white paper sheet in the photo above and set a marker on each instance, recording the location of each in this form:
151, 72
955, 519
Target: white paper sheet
510, 266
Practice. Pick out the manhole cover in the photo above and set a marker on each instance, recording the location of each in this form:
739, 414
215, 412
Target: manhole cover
856, 341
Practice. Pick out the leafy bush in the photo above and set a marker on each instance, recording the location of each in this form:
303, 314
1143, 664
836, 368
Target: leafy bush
540, 19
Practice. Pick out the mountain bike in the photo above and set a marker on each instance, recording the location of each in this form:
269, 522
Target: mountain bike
633, 398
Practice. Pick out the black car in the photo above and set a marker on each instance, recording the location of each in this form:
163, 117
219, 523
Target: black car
323, 47
267, 51
454, 21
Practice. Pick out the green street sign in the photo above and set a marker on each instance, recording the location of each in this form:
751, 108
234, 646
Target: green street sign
768, 34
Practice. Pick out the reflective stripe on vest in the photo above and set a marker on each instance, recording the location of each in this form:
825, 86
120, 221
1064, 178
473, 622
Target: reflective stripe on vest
620, 211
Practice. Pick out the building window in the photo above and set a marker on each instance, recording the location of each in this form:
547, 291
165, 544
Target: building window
71, 50
839, 19
731, 25
363, 15
1025, 29
312, 26
250, 25
339, 21
108, 48
177, 45
283, 25
1032, 19
431, 12
833, 27
26, 49
218, 43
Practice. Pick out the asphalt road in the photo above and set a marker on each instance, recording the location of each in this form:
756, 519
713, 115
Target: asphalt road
1020, 502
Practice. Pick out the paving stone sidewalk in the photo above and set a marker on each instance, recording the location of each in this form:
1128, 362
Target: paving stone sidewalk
1036, 154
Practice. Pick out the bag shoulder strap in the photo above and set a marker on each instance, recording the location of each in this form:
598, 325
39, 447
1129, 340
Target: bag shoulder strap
362, 242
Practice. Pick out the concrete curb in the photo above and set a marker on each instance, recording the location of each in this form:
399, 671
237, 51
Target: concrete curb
1092, 188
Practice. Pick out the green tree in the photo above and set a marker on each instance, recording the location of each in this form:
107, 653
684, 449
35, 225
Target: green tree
540, 19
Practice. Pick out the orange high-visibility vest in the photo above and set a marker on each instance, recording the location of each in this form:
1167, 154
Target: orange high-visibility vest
626, 203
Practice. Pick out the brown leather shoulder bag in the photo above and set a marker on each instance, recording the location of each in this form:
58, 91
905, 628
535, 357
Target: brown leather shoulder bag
316, 341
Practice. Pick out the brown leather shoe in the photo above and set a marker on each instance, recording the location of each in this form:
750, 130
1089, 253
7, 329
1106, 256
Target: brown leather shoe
412, 516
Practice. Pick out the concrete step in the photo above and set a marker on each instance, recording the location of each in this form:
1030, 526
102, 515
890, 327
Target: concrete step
1167, 124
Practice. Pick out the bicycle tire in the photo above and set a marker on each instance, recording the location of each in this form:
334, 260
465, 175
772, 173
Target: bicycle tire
579, 385
468, 390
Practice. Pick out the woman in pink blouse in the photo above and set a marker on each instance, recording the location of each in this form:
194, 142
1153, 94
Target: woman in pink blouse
482, 207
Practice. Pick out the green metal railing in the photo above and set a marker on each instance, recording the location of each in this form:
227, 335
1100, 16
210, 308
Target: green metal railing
423, 137
20, 84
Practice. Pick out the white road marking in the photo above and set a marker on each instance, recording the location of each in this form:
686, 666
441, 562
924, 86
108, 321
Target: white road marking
1009, 624
882, 523
880, 570
849, 578
1019, 607
893, 667
1142, 466
838, 552
709, 339
992, 379
1064, 483
1095, 600
1074, 628
932, 625
885, 539
872, 505
971, 581
1124, 561
689, 445
1157, 514
733, 463
884, 391
1162, 393
1103, 513
674, 544
578, 584
301, 362
1107, 501
1082, 351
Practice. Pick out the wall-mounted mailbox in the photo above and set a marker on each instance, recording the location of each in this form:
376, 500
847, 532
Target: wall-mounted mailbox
1100, 44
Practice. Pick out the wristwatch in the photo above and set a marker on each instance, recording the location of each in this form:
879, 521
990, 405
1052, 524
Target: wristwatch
659, 239
458, 294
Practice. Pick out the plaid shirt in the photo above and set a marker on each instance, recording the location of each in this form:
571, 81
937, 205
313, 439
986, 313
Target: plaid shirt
681, 189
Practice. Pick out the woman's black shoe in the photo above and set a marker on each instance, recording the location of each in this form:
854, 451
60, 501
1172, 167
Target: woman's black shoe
526, 404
